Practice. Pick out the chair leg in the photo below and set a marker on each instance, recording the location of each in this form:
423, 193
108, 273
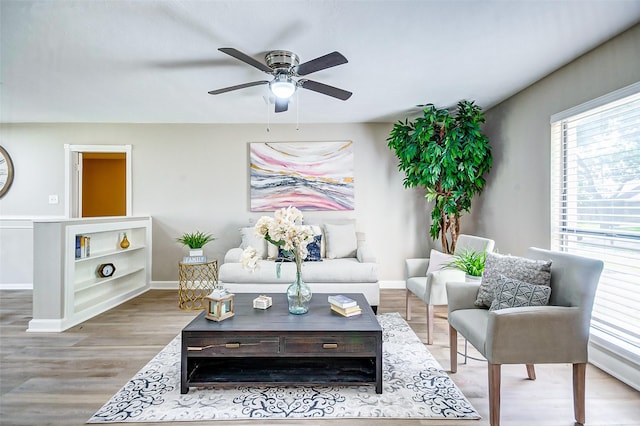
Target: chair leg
579, 375
453, 348
429, 324
531, 372
494, 394
408, 305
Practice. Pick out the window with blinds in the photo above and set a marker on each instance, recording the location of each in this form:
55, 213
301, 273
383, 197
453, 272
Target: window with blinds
595, 206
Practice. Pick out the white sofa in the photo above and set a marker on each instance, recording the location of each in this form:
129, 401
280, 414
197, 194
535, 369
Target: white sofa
346, 266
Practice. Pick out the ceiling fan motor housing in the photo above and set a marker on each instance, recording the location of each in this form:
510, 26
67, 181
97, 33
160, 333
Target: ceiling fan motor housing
281, 60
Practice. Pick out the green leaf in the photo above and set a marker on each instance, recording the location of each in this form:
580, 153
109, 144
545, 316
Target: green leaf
445, 153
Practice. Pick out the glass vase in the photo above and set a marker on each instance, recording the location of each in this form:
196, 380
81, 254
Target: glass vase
299, 296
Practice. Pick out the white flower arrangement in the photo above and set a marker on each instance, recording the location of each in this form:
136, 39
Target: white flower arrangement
283, 230
249, 258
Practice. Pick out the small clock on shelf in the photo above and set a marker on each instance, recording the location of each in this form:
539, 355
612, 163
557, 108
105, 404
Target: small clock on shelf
6, 171
106, 270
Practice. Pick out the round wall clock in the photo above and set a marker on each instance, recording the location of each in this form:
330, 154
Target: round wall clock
6, 171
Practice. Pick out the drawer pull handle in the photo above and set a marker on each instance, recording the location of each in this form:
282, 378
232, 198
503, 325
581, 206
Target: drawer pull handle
329, 346
194, 348
232, 345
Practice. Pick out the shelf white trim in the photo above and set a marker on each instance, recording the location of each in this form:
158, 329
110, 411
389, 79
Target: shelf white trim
93, 282
90, 308
108, 253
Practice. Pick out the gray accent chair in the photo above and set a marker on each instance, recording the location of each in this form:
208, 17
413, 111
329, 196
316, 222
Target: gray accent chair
431, 288
557, 333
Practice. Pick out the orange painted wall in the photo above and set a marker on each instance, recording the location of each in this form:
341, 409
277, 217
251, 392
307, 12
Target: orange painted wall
103, 184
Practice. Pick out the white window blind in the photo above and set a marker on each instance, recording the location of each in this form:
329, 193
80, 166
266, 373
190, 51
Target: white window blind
595, 206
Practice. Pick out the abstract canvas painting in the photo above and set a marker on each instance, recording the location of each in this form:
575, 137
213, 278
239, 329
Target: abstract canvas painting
307, 175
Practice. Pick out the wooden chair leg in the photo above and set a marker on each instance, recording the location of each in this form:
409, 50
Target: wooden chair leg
579, 375
429, 324
453, 348
531, 372
408, 305
494, 394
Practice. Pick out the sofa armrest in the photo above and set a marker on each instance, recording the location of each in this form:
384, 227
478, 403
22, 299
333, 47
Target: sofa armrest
364, 254
462, 295
233, 255
415, 267
526, 334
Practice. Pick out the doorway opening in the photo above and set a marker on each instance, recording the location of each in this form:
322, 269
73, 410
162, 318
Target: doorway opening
98, 180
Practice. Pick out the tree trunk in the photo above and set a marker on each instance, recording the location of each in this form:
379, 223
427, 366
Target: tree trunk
444, 228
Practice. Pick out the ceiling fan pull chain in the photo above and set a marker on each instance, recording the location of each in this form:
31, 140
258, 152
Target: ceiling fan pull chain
297, 110
268, 104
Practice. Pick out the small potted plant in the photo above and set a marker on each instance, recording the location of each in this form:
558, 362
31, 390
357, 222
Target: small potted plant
195, 241
471, 262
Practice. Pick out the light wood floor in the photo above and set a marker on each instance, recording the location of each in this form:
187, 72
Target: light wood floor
63, 378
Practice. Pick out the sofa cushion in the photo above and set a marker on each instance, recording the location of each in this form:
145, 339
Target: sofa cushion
272, 251
512, 293
531, 271
438, 260
341, 240
328, 271
249, 238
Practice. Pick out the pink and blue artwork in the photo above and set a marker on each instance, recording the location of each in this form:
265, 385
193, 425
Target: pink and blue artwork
306, 175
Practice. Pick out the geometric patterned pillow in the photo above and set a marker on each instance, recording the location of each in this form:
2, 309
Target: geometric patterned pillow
510, 293
531, 271
313, 249
313, 252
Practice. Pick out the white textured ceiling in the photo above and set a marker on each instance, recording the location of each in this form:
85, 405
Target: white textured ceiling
154, 61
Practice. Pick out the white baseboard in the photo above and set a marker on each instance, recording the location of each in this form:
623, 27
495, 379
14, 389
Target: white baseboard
46, 326
16, 286
392, 284
618, 366
164, 285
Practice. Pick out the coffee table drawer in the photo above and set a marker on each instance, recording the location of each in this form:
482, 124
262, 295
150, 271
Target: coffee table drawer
207, 346
330, 344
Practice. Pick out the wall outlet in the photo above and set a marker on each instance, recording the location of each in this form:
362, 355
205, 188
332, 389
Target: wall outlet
53, 199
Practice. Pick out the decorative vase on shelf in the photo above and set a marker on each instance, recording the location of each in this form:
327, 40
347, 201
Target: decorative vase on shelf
125, 242
299, 295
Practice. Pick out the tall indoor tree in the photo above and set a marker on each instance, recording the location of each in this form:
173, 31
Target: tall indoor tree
447, 154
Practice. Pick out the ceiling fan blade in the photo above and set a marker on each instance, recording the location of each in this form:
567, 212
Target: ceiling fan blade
325, 89
323, 62
239, 86
282, 104
246, 59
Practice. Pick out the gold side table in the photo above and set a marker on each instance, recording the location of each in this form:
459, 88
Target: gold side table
196, 280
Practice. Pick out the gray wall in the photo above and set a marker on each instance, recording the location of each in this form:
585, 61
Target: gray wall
514, 209
196, 177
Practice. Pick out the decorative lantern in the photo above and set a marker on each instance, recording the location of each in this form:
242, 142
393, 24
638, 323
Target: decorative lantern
219, 305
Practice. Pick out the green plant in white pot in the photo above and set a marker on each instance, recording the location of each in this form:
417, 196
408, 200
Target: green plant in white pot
195, 241
471, 262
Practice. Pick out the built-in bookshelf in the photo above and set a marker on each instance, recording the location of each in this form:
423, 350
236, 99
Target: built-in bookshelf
67, 286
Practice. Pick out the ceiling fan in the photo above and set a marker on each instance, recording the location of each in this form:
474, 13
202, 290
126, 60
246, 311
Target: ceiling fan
284, 66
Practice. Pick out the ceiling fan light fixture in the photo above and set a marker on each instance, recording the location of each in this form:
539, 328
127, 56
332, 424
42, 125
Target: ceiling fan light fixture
282, 86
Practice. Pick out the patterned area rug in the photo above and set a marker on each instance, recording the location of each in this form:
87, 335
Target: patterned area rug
414, 386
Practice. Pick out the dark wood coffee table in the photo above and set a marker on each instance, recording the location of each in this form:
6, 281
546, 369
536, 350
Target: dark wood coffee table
272, 346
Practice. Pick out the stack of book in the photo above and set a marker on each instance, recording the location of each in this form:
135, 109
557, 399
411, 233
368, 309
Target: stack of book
344, 305
83, 246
